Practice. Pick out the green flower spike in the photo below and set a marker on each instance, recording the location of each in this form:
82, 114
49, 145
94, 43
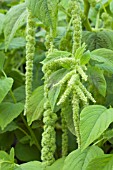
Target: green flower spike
30, 50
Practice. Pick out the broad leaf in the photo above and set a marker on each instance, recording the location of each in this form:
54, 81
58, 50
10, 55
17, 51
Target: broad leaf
15, 43
2, 59
43, 10
34, 165
7, 161
14, 19
36, 107
54, 91
104, 58
25, 152
8, 112
97, 79
58, 165
94, 120
104, 162
108, 134
2, 18
79, 160
5, 86
85, 58
96, 40
9, 128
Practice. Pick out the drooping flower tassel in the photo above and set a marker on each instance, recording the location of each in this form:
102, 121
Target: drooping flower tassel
30, 50
64, 131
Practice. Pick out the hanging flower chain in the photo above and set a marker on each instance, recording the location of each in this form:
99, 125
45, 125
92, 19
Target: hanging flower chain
30, 49
64, 131
49, 120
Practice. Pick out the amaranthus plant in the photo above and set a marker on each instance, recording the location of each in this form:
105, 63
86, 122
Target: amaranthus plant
56, 66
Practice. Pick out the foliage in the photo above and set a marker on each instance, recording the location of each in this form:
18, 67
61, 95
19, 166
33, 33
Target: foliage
56, 84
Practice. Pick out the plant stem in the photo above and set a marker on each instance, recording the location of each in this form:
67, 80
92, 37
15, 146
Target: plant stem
97, 20
86, 11
13, 97
32, 133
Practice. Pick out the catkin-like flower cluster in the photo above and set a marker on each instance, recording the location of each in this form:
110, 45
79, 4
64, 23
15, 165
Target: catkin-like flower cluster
77, 28
64, 131
49, 118
30, 49
48, 136
75, 106
107, 20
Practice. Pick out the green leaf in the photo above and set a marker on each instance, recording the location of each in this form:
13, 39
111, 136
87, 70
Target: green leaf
108, 134
80, 51
5, 86
15, 43
25, 152
43, 10
79, 160
12, 154
55, 54
8, 112
9, 128
34, 165
54, 91
2, 59
2, 18
53, 96
36, 107
14, 19
58, 165
104, 162
104, 58
4, 156
96, 40
94, 120
85, 58
69, 118
97, 78
111, 6
7, 161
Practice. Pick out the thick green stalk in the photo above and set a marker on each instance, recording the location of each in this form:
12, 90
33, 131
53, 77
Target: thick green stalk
86, 12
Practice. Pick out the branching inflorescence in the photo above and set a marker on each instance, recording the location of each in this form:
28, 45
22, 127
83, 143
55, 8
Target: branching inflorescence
72, 81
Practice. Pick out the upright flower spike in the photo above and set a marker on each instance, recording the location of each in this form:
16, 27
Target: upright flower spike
30, 49
77, 28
